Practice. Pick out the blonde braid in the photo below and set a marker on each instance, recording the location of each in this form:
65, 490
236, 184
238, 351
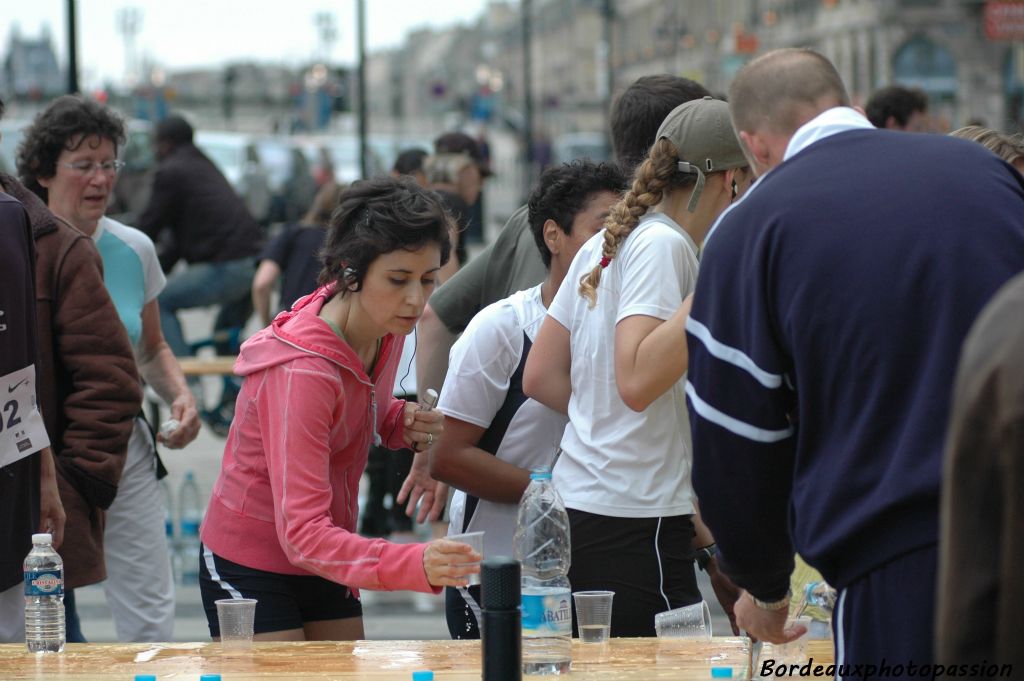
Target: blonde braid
652, 178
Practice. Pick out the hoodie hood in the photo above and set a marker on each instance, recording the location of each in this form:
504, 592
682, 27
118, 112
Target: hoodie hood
300, 332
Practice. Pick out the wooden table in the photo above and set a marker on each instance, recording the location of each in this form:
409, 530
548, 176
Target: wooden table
818, 652
220, 365
619, 659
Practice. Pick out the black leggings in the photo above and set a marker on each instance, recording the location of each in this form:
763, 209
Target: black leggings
647, 562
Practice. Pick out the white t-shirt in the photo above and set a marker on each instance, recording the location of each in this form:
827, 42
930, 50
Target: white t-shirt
131, 271
479, 388
615, 461
405, 379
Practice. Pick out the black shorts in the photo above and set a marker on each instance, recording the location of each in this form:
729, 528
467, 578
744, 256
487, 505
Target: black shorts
647, 562
284, 601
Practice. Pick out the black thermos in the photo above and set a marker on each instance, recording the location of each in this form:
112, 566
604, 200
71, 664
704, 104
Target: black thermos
501, 630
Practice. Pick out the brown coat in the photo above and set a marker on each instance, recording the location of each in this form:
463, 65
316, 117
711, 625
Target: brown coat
88, 385
981, 545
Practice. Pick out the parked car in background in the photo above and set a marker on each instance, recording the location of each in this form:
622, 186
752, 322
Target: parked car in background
236, 155
338, 155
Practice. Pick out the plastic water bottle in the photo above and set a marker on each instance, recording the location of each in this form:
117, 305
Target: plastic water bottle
542, 547
44, 597
191, 510
820, 594
817, 594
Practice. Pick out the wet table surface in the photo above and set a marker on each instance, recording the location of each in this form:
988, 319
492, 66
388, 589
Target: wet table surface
621, 659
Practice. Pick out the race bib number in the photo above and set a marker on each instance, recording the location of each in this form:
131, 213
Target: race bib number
22, 431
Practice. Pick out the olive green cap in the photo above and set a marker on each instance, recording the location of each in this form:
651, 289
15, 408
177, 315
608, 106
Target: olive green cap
702, 132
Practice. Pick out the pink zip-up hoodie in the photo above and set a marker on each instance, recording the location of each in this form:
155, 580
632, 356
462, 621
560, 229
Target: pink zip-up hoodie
286, 498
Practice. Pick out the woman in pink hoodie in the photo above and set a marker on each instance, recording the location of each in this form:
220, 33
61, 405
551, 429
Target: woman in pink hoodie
281, 523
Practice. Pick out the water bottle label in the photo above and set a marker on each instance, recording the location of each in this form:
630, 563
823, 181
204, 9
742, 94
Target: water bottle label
189, 527
547, 614
44, 583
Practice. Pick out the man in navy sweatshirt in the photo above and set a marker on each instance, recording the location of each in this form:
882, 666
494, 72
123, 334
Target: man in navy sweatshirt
826, 327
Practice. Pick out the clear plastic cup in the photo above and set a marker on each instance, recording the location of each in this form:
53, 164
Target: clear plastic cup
691, 621
476, 540
594, 615
236, 616
794, 652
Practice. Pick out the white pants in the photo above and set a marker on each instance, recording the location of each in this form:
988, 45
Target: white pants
140, 585
12, 614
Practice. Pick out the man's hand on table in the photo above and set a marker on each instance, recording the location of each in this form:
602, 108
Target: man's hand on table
765, 625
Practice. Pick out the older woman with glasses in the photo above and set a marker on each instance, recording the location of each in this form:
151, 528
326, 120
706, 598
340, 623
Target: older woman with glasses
69, 158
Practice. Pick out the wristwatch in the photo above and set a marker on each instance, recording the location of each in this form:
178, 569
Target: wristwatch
773, 605
704, 556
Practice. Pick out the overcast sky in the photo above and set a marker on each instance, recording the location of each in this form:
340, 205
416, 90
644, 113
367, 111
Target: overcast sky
186, 33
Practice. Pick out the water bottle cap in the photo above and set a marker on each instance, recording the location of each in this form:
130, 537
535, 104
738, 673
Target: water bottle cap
42, 538
189, 475
423, 675
721, 672
210, 677
145, 677
540, 473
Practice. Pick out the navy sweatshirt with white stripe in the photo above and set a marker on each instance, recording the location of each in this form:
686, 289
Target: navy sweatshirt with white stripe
829, 313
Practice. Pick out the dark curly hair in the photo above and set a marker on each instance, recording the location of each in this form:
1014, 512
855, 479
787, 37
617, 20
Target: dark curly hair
562, 192
379, 216
64, 125
896, 101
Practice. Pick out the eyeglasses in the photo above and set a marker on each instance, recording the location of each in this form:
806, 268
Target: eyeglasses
88, 167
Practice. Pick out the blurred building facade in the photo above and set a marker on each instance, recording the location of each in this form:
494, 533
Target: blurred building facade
967, 55
30, 70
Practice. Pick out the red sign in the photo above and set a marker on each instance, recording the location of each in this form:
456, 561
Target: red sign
1004, 20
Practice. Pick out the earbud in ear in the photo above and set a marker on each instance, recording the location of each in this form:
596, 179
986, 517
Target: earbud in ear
351, 278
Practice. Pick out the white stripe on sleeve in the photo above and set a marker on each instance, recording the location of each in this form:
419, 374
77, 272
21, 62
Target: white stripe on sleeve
732, 355
734, 425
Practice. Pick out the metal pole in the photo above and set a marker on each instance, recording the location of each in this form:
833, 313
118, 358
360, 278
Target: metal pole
361, 84
72, 50
527, 18
608, 16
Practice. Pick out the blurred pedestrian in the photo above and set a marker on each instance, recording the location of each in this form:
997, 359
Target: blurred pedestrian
470, 184
300, 188
79, 139
29, 499
294, 256
89, 391
493, 433
212, 231
608, 354
456, 179
981, 546
899, 108
826, 326
280, 526
410, 162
